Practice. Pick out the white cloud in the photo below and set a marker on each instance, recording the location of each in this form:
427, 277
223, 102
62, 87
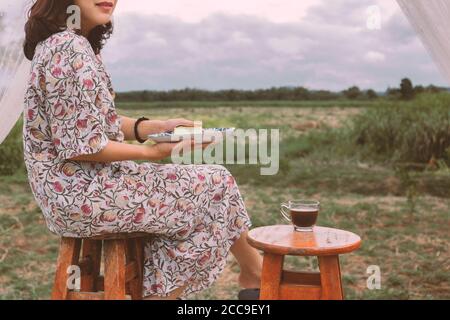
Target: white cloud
374, 57
329, 48
240, 39
286, 45
154, 39
196, 10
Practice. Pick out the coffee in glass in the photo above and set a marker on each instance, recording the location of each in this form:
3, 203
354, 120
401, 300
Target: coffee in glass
301, 213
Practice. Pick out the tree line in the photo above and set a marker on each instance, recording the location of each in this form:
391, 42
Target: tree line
405, 91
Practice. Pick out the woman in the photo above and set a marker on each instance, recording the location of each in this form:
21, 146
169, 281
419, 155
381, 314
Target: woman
84, 176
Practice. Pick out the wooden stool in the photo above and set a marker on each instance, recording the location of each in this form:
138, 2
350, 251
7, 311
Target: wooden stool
325, 243
123, 267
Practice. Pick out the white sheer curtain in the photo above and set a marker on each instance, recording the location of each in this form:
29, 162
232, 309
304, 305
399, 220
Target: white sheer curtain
14, 68
431, 20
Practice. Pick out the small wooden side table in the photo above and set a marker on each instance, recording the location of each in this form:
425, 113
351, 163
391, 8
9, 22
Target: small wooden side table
325, 243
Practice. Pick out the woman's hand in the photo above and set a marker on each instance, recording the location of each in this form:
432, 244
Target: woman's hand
164, 150
171, 124
151, 126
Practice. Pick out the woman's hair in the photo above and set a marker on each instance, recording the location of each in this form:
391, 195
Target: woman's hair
47, 17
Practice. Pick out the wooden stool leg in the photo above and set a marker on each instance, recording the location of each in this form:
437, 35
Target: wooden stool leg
135, 256
115, 281
139, 245
330, 277
271, 276
69, 253
90, 264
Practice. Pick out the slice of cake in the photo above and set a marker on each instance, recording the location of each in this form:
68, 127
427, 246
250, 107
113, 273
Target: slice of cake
183, 131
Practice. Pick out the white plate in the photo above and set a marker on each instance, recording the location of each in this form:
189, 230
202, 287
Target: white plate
209, 135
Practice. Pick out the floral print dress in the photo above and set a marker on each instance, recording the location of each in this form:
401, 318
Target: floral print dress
195, 212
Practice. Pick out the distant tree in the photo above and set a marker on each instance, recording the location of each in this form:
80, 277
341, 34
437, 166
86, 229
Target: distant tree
419, 89
352, 93
434, 89
321, 95
144, 96
393, 93
371, 94
231, 95
193, 94
406, 89
301, 93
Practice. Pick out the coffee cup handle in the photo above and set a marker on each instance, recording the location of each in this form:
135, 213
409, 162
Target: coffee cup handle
283, 213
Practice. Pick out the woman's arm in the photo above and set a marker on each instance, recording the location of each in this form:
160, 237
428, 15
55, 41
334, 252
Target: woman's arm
117, 151
151, 127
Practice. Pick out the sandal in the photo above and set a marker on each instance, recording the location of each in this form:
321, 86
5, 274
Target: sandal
249, 294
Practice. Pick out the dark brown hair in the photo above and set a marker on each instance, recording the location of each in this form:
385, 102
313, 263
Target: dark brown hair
47, 17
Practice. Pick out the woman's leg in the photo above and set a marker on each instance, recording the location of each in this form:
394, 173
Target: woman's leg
250, 262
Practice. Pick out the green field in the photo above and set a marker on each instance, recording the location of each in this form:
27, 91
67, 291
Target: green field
402, 215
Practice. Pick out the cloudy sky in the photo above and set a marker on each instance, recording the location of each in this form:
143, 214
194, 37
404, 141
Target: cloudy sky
247, 44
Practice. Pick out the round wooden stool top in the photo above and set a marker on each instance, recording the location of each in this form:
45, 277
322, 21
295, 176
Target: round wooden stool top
284, 240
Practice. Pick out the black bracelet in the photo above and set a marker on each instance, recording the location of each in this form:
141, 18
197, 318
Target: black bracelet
136, 134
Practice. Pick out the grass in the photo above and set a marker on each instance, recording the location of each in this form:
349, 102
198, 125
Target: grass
402, 218
27, 250
416, 132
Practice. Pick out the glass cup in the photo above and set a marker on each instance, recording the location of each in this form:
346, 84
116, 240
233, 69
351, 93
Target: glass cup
301, 213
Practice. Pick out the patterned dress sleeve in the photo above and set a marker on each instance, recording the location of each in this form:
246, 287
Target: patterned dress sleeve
107, 77
72, 87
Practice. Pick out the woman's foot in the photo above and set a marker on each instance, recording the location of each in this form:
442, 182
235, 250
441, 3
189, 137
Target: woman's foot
251, 282
249, 294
